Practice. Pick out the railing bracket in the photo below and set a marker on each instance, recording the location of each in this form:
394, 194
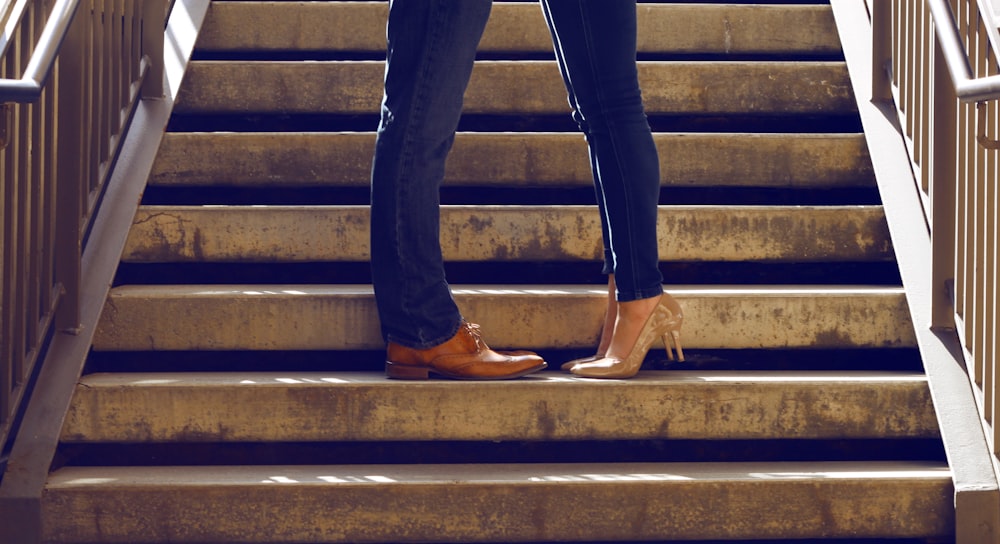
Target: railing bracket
984, 140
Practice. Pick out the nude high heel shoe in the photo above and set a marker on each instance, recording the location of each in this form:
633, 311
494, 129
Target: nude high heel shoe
664, 322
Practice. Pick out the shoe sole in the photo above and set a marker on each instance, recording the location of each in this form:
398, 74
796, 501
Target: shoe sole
408, 372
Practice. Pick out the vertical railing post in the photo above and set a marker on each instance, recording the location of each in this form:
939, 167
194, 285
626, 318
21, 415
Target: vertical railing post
71, 172
881, 11
154, 13
943, 186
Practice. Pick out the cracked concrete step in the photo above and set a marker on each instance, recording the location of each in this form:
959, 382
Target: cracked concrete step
508, 233
365, 406
343, 159
522, 88
611, 502
343, 317
356, 27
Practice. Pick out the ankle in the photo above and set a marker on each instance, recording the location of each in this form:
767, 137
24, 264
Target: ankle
637, 309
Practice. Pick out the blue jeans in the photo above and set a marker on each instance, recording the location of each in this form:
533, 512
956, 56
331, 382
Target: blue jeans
431, 49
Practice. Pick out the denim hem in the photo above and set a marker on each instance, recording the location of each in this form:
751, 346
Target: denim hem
609, 263
640, 294
429, 344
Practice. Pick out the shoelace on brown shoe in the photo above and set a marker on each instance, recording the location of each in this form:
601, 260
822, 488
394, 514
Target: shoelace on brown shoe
473, 329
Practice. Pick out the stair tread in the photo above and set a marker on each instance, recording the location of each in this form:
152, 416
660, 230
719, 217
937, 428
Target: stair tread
501, 502
343, 317
519, 27
514, 473
673, 404
519, 88
544, 379
470, 233
529, 159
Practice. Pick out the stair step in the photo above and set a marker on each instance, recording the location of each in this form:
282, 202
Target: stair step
343, 317
521, 88
356, 27
508, 233
344, 159
500, 503
365, 406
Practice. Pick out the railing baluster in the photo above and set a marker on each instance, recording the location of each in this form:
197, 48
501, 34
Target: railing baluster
981, 42
103, 89
943, 192
91, 88
989, 241
119, 89
882, 29
153, 21
72, 167
129, 50
49, 209
20, 173
915, 64
922, 131
33, 221
7, 382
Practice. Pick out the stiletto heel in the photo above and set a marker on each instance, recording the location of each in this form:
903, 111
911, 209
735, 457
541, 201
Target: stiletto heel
667, 346
665, 323
673, 340
676, 335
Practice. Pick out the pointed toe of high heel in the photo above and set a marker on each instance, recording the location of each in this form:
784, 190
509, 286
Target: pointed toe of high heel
582, 360
605, 367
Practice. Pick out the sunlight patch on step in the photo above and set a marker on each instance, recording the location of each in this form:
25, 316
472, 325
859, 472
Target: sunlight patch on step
90, 481
333, 479
806, 377
840, 475
610, 478
248, 292
297, 380
481, 291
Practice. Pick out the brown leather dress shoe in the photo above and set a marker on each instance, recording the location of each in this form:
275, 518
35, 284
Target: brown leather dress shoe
464, 357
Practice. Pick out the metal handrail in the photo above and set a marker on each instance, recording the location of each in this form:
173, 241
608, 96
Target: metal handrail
967, 88
69, 195
928, 159
36, 73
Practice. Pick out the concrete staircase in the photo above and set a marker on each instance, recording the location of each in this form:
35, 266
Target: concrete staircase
235, 391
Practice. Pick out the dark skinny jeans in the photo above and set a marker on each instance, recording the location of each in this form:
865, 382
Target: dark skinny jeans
430, 54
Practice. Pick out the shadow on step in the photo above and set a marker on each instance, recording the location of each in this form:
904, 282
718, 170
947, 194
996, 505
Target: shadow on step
512, 273
455, 452
897, 359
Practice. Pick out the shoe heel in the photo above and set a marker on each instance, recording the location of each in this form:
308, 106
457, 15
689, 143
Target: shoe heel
668, 346
672, 332
675, 335
406, 372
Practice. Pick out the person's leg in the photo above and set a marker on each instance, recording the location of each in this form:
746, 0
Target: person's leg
430, 55
595, 45
431, 46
